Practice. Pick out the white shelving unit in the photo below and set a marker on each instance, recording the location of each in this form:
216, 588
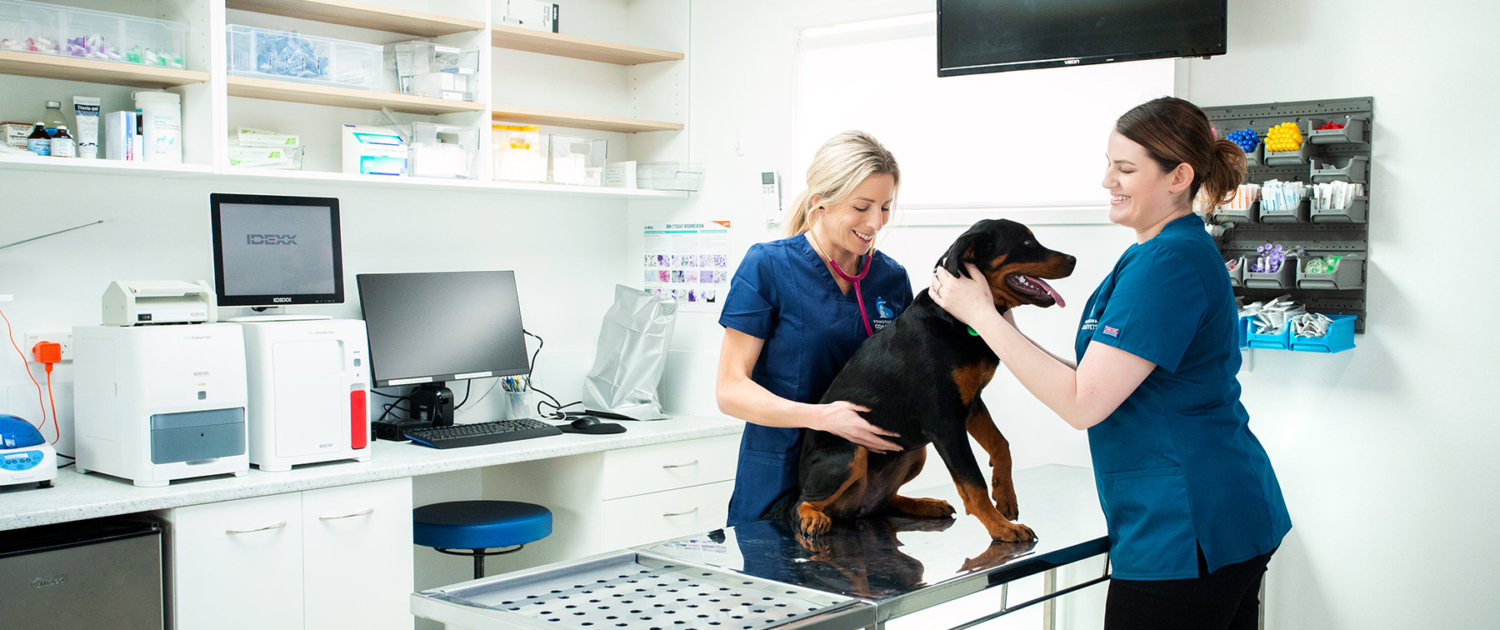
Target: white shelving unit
647, 79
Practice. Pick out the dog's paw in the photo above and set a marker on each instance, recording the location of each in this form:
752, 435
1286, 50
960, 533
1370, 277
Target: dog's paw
813, 522
1013, 532
1005, 502
817, 547
996, 554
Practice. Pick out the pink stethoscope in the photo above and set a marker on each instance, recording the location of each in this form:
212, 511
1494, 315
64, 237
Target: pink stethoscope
864, 318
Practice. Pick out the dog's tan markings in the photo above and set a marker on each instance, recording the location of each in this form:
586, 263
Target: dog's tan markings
977, 502
925, 508
810, 513
972, 378
982, 428
1054, 267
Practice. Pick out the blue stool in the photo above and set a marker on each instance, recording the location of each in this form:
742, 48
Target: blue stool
478, 526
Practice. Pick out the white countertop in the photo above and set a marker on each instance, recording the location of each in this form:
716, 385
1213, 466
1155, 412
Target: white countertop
77, 496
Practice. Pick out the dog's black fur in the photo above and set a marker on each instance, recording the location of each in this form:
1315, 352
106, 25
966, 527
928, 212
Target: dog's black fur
921, 377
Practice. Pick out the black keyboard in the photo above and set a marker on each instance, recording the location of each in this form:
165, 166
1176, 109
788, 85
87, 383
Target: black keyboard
460, 435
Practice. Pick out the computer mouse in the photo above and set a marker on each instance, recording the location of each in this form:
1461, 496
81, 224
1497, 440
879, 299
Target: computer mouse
591, 425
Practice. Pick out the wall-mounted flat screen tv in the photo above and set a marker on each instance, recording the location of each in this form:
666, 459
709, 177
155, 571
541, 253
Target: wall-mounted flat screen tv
976, 36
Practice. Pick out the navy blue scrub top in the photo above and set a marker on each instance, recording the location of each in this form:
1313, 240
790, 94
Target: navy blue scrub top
1176, 464
784, 294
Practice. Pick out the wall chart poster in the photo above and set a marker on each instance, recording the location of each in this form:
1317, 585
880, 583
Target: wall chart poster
688, 262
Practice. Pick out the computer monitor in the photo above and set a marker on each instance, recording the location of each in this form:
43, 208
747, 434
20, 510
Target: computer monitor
430, 328
274, 251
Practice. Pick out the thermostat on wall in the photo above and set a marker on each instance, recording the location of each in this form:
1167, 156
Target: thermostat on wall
770, 196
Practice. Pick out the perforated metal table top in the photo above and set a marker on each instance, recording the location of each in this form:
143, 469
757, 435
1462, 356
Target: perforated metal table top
763, 575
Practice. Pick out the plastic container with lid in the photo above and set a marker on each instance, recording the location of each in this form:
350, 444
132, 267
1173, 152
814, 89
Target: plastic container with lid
282, 56
670, 175
98, 35
435, 70
30, 27
161, 126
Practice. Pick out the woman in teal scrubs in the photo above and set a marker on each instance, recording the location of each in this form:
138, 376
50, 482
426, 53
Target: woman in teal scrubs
1193, 508
793, 318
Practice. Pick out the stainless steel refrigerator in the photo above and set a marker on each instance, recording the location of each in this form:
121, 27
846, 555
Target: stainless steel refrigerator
91, 574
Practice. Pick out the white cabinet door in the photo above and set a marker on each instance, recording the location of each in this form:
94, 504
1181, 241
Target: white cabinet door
357, 556
238, 564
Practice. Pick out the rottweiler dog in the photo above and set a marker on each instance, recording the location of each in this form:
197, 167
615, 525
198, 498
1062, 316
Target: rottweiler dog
921, 377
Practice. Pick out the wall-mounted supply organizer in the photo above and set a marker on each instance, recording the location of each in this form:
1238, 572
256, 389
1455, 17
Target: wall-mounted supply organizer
1333, 240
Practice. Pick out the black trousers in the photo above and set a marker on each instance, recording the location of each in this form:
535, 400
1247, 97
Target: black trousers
1227, 599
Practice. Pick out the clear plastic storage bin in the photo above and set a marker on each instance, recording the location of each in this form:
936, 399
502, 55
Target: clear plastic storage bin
670, 175
520, 153
577, 161
86, 34
279, 55
435, 70
443, 151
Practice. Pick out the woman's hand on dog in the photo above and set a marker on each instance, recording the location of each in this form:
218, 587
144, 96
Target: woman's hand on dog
842, 418
967, 299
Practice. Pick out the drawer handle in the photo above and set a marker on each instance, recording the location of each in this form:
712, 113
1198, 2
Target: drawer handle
681, 513
258, 529
671, 466
363, 512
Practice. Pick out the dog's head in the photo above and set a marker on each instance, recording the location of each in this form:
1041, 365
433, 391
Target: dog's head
1015, 265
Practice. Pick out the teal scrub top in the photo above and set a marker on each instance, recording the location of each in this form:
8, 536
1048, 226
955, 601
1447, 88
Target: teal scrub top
1176, 465
783, 293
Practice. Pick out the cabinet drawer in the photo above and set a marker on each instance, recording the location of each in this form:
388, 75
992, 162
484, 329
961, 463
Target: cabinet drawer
238, 564
658, 516
646, 469
357, 556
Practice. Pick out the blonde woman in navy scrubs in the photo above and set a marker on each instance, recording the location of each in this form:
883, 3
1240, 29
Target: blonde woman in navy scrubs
1193, 507
798, 308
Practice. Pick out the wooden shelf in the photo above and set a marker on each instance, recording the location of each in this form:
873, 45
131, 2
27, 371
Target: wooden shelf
517, 38
361, 15
579, 121
94, 71
345, 97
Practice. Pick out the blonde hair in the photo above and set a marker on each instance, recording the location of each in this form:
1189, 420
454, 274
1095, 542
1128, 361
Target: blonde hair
838, 167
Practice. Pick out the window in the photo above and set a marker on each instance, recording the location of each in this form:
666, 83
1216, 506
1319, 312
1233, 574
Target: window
1031, 139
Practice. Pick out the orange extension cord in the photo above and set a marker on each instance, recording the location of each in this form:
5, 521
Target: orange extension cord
9, 334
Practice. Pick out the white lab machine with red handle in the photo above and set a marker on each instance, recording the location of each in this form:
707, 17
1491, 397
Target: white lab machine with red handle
308, 381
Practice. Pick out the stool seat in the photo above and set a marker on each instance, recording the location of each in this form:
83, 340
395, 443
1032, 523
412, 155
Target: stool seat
480, 524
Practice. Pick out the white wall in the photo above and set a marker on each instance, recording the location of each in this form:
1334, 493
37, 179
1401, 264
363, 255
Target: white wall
1381, 451
564, 252
1384, 451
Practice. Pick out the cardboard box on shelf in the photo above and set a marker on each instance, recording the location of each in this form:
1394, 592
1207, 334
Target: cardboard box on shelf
532, 14
15, 134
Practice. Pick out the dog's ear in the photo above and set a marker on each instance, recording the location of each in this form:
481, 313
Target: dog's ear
962, 252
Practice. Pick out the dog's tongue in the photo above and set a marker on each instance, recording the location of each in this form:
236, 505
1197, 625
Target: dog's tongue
1056, 297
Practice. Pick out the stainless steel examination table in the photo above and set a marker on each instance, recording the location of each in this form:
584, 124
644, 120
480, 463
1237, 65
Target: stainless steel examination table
763, 575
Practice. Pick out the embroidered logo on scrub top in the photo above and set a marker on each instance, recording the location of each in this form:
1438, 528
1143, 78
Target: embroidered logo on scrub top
1111, 331
883, 314
1090, 324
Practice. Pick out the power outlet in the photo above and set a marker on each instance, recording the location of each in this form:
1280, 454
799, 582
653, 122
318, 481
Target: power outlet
63, 338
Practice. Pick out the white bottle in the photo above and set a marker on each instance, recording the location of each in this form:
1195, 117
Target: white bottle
62, 144
161, 126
